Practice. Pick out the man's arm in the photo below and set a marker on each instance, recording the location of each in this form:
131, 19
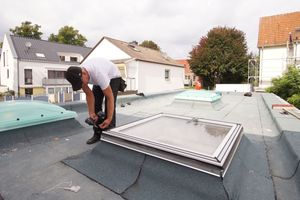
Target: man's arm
90, 99
110, 107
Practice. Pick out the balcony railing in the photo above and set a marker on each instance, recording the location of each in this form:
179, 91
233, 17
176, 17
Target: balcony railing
293, 61
47, 81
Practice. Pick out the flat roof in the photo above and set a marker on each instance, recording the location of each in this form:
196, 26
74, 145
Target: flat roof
37, 161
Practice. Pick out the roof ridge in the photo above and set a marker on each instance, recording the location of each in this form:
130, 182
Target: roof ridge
282, 14
109, 38
136, 45
43, 40
143, 53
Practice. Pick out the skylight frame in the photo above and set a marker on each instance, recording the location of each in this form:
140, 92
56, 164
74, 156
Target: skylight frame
217, 159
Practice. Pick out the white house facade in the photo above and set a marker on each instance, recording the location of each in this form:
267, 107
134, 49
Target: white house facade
145, 70
274, 61
35, 67
279, 46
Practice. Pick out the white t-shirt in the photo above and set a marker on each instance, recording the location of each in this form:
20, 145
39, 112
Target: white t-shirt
101, 71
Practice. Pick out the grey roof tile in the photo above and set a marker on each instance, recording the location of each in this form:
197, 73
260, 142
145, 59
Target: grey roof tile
49, 49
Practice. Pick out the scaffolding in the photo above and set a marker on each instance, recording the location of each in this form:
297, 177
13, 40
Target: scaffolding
253, 71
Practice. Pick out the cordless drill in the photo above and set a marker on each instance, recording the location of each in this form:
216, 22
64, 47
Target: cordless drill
101, 118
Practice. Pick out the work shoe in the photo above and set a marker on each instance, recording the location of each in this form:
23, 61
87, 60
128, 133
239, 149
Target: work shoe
96, 137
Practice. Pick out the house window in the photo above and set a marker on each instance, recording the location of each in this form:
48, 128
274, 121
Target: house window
7, 73
50, 90
167, 74
28, 76
3, 58
53, 74
62, 58
28, 91
73, 59
122, 70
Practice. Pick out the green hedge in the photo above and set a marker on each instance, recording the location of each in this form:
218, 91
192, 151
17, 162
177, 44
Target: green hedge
288, 86
295, 100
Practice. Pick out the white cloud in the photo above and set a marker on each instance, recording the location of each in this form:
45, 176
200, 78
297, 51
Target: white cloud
175, 25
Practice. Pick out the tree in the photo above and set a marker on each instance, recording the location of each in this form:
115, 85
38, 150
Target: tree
220, 57
27, 30
150, 44
1, 44
68, 35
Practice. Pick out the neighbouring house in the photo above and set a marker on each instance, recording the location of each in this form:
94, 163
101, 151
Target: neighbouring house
145, 70
35, 67
279, 45
189, 76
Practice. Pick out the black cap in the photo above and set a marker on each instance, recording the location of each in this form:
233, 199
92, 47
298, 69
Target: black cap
73, 75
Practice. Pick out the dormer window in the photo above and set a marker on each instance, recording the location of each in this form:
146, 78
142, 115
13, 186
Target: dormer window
62, 58
73, 59
40, 55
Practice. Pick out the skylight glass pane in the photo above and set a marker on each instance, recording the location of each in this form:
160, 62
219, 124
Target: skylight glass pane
40, 55
180, 133
201, 144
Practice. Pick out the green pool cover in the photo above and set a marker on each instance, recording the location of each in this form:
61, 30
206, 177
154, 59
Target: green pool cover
18, 114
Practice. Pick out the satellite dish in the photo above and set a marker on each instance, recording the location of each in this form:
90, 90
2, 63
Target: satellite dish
28, 44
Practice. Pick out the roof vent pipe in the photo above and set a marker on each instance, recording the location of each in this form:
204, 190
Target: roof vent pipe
28, 45
135, 43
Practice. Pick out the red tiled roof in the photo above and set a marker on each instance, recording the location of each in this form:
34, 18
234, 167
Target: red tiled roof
187, 68
276, 30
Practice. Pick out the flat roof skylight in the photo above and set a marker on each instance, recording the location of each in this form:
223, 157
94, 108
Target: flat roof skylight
198, 95
18, 114
184, 140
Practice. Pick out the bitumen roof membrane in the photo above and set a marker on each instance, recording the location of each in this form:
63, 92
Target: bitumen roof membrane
37, 162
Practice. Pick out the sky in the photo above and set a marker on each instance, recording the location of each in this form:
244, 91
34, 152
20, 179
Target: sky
175, 25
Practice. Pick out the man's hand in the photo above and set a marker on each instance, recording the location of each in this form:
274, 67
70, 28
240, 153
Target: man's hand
94, 117
105, 124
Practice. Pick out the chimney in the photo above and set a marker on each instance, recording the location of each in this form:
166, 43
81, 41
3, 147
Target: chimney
133, 43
